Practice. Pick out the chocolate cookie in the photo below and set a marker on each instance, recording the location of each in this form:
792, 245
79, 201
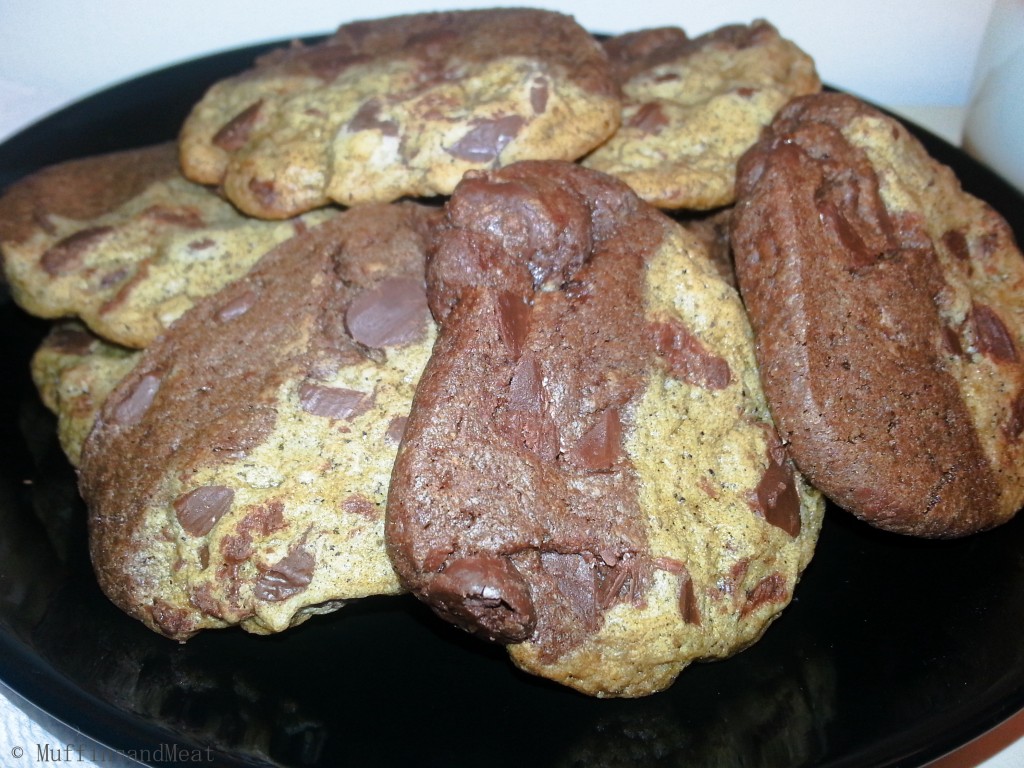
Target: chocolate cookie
887, 306
401, 106
692, 107
589, 473
124, 242
238, 474
75, 371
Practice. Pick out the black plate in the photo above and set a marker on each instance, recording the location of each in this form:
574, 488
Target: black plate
894, 652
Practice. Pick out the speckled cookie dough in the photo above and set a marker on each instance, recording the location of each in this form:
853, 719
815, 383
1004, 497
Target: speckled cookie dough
238, 474
401, 106
692, 107
75, 371
895, 371
590, 474
125, 243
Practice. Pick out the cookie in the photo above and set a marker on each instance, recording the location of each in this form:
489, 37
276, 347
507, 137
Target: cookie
75, 371
692, 107
589, 473
124, 242
238, 474
887, 308
401, 106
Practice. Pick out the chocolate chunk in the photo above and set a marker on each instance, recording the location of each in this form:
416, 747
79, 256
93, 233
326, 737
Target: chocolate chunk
70, 340
200, 509
513, 321
770, 589
183, 217
396, 429
688, 607
951, 341
65, 255
333, 402
625, 581
288, 576
485, 140
367, 118
539, 96
574, 579
360, 505
688, 359
777, 499
135, 404
956, 242
485, 595
391, 314
264, 191
650, 118
1014, 425
234, 134
600, 446
237, 306
991, 335
526, 420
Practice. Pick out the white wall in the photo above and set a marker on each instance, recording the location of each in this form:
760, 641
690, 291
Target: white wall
894, 52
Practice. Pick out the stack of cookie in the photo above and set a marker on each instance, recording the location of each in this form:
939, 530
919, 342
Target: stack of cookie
405, 311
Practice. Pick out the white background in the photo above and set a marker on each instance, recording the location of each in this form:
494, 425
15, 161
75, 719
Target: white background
893, 52
916, 56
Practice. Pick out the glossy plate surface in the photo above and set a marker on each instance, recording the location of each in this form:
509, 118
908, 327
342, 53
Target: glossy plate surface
894, 651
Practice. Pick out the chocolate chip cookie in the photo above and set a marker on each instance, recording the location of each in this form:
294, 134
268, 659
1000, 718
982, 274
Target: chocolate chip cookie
589, 473
238, 474
75, 371
887, 306
692, 107
124, 242
401, 106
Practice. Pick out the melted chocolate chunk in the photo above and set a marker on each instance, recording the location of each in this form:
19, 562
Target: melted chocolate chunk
688, 359
513, 321
650, 118
288, 576
485, 595
600, 446
367, 118
539, 96
391, 314
66, 255
234, 134
135, 404
333, 402
200, 509
770, 589
688, 607
396, 429
956, 242
69, 340
778, 501
1014, 425
485, 140
237, 306
991, 335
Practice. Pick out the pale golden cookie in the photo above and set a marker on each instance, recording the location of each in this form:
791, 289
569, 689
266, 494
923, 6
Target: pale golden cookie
238, 474
74, 371
125, 243
401, 106
692, 107
590, 474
